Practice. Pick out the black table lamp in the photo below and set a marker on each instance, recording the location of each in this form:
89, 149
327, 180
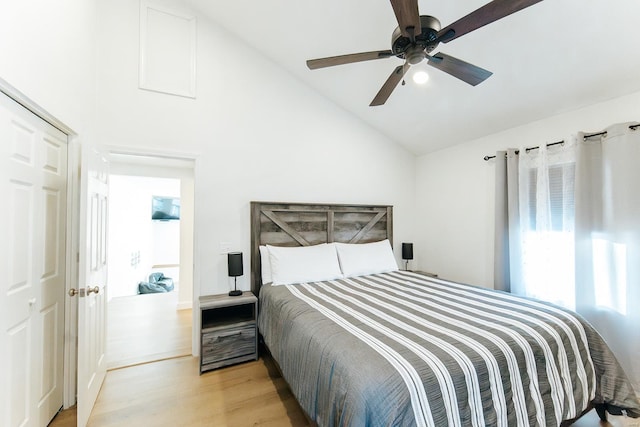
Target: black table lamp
234, 262
407, 254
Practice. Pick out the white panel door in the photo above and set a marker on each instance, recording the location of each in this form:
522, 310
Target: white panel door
33, 184
92, 365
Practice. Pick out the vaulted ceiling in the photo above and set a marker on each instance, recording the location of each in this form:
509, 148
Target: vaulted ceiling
552, 57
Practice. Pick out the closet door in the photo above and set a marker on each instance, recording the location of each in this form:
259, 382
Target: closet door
33, 185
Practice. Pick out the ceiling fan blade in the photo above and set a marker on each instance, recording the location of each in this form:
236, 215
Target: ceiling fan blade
347, 59
487, 14
390, 85
466, 72
408, 16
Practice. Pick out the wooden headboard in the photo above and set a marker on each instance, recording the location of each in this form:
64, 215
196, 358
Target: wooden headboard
304, 224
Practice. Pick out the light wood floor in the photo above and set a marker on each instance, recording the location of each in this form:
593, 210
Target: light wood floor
171, 393
146, 328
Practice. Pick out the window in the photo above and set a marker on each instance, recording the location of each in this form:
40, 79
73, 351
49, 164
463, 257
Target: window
547, 218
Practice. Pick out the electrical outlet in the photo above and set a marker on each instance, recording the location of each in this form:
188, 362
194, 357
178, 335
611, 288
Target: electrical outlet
225, 247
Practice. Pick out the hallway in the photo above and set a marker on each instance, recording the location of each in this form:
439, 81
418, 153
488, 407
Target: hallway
145, 328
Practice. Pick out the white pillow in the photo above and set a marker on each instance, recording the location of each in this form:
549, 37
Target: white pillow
358, 259
303, 264
265, 265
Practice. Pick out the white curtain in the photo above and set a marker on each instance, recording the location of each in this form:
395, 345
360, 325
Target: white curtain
607, 241
546, 204
577, 225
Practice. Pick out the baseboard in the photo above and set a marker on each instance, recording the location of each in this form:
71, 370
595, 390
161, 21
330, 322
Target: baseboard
185, 305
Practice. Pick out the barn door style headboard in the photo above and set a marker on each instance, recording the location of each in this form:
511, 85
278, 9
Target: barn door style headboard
305, 224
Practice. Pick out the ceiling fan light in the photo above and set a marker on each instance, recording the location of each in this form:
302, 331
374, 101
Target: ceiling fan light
420, 77
415, 55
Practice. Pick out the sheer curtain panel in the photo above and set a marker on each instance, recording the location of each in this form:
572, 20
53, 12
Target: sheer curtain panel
546, 203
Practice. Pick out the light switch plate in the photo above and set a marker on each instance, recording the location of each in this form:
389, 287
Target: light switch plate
225, 247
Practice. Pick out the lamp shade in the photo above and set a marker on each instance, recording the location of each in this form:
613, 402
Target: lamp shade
234, 261
407, 251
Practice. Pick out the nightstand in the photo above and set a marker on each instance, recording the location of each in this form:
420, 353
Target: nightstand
228, 330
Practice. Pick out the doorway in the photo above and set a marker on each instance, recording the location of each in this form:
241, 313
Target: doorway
149, 309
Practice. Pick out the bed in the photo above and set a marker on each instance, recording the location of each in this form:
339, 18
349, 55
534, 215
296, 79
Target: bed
392, 347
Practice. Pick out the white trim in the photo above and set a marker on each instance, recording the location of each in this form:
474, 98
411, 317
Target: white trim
184, 305
32, 106
145, 156
150, 152
73, 245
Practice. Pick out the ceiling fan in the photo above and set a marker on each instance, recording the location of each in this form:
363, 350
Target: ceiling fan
417, 35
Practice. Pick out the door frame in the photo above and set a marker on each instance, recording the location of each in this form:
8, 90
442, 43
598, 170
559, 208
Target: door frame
72, 237
195, 160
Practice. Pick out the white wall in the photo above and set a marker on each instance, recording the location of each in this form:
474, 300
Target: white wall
132, 233
257, 133
455, 189
48, 53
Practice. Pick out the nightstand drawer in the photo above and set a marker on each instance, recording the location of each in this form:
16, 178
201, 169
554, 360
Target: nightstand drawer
228, 343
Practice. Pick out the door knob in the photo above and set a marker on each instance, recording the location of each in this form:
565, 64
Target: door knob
95, 289
73, 292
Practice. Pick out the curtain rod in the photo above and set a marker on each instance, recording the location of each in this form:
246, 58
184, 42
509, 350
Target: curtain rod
632, 127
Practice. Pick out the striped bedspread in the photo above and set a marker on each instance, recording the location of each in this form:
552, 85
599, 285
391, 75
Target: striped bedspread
403, 349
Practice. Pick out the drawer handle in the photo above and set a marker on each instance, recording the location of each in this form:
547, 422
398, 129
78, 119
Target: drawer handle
228, 335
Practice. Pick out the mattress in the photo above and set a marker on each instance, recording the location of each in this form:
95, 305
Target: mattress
404, 349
